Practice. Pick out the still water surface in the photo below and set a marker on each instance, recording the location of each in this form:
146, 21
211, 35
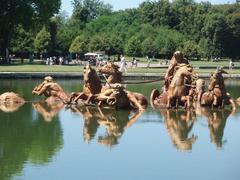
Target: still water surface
38, 141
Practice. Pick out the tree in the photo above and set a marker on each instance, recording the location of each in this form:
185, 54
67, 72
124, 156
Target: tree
42, 41
23, 41
16, 12
216, 31
133, 47
233, 42
149, 48
191, 50
86, 10
80, 45
116, 44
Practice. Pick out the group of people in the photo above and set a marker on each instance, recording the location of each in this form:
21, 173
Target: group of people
56, 60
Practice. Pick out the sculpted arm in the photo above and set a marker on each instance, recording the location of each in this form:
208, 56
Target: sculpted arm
43, 90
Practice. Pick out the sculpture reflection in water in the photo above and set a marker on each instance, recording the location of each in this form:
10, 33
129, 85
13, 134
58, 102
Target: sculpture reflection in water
115, 122
179, 124
217, 119
48, 110
10, 102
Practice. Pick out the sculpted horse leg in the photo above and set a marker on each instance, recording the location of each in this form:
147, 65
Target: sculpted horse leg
231, 101
76, 96
189, 104
106, 98
169, 101
223, 103
199, 97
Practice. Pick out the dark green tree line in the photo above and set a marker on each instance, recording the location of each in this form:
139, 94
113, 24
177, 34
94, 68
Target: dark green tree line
155, 28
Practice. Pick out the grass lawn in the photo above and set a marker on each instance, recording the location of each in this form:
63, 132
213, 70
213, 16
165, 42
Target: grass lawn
78, 69
38, 67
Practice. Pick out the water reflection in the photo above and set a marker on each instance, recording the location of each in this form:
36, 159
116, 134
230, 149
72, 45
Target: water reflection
179, 124
216, 123
10, 107
113, 121
48, 110
24, 138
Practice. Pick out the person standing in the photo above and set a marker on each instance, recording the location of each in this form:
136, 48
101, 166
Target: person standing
231, 65
148, 61
123, 64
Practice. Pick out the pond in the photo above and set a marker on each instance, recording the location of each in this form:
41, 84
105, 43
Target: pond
56, 142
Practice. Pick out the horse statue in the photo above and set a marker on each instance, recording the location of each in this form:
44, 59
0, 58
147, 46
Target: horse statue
10, 102
217, 95
92, 86
51, 90
115, 95
179, 87
112, 73
178, 93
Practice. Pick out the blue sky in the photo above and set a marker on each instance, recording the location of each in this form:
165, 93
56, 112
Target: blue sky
123, 4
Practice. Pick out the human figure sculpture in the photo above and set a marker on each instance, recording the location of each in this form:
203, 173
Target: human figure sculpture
178, 93
118, 97
114, 95
175, 61
178, 90
177, 84
51, 89
217, 95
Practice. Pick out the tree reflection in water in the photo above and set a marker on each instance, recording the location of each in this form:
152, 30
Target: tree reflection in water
23, 139
179, 124
115, 122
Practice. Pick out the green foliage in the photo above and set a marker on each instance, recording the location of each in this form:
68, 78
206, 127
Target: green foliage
86, 10
22, 41
149, 47
25, 13
168, 41
133, 47
191, 50
233, 42
216, 32
42, 41
80, 44
155, 28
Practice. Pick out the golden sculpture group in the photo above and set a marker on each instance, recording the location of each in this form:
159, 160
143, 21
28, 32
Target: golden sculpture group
182, 98
182, 88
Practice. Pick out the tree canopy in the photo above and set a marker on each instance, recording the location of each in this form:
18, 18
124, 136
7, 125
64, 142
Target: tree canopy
30, 13
155, 28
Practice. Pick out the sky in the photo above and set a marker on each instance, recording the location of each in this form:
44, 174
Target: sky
124, 4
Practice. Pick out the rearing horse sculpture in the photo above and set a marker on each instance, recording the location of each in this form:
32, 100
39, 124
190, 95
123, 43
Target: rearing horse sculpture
112, 73
115, 95
217, 95
178, 90
92, 85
